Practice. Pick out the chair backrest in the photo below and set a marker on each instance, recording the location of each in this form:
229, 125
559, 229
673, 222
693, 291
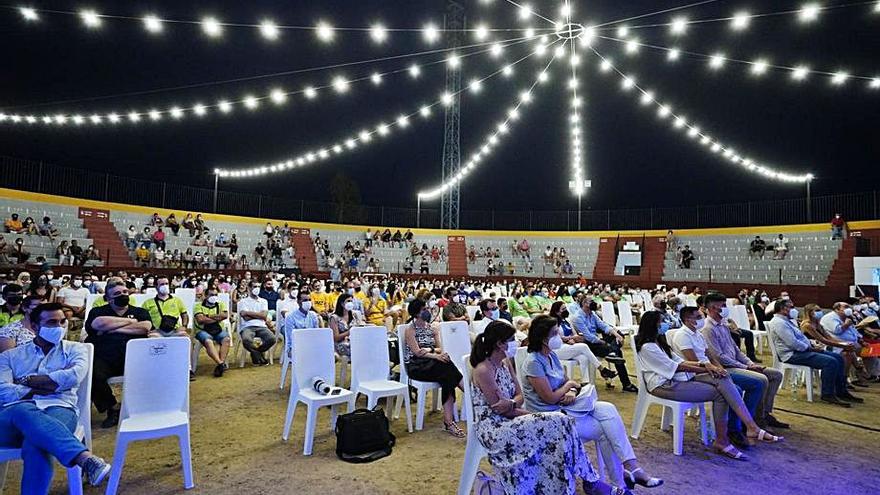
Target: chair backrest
401, 341
772, 345
480, 325
626, 315
608, 313
90, 302
740, 316
285, 305
639, 374
151, 292
84, 395
313, 354
369, 354
188, 296
140, 298
519, 361
468, 407
456, 341
472, 311
156, 376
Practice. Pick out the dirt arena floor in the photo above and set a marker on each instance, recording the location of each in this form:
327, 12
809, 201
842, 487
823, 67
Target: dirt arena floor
237, 449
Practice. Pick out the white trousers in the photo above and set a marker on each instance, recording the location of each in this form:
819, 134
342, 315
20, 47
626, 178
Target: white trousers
605, 426
580, 353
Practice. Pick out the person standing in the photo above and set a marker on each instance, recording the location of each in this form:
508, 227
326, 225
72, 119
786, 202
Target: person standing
837, 227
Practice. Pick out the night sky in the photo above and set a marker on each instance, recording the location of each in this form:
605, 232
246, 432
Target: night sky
634, 159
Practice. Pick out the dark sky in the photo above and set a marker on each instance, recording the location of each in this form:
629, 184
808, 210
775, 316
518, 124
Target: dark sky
634, 160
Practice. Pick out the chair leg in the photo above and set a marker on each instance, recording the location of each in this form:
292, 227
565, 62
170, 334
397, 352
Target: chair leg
74, 481
372, 400
704, 433
420, 408
665, 419
4, 467
118, 461
186, 458
311, 419
678, 431
397, 404
470, 465
333, 414
291, 411
409, 425
283, 370
640, 414
808, 376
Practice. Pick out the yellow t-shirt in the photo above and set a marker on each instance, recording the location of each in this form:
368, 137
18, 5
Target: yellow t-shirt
200, 307
321, 302
375, 314
172, 306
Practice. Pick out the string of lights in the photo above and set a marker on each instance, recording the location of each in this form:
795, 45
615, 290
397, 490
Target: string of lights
741, 20
269, 29
340, 84
575, 119
367, 135
757, 67
494, 137
694, 131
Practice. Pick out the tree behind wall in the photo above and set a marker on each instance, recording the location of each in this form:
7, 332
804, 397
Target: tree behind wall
347, 196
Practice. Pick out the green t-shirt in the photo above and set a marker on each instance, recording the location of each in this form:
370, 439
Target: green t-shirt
516, 309
6, 318
172, 306
202, 308
531, 304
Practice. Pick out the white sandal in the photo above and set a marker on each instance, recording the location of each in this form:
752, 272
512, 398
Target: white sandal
631, 481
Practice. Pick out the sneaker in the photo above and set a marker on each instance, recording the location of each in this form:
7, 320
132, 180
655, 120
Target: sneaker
112, 418
218, 370
631, 388
607, 373
834, 400
225, 366
848, 397
775, 423
96, 469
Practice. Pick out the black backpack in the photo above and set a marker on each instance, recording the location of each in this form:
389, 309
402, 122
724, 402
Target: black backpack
363, 436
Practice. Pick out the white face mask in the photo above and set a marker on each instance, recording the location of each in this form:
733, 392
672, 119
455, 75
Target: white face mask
77, 283
255, 291
212, 300
306, 305
793, 314
163, 289
555, 343
53, 334
699, 324
349, 306
376, 292
512, 346
873, 306
725, 312
848, 312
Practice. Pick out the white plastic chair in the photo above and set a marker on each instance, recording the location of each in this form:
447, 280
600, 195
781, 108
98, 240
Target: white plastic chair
456, 341
285, 305
83, 430
676, 409
188, 296
472, 311
369, 370
421, 387
794, 372
197, 346
154, 405
474, 452
479, 326
626, 317
608, 316
313, 355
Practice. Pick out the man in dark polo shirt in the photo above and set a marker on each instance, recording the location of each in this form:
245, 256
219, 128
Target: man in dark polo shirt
109, 328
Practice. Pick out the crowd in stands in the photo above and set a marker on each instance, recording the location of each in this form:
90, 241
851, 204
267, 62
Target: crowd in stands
67, 252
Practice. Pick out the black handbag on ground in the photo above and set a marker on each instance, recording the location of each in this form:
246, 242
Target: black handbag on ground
363, 436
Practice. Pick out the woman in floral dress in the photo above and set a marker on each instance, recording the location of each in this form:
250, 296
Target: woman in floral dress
539, 453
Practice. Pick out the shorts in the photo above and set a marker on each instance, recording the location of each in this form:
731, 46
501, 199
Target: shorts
203, 336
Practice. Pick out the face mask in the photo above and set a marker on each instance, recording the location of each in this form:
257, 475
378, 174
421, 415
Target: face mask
432, 303
255, 291
77, 283
664, 327
121, 300
349, 306
793, 314
873, 306
376, 292
164, 289
212, 300
699, 323
765, 299
571, 291
293, 293
53, 334
564, 314
512, 346
349, 291
678, 307
848, 312
87, 283
819, 314
306, 305
555, 343
14, 299
425, 315
725, 312
495, 314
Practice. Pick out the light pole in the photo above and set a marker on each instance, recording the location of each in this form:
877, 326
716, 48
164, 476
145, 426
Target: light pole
216, 183
809, 199
579, 189
419, 211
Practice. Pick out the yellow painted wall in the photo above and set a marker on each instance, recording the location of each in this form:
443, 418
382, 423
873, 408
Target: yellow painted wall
317, 227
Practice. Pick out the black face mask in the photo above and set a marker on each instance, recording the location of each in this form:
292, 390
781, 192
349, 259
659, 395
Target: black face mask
14, 299
121, 300
564, 314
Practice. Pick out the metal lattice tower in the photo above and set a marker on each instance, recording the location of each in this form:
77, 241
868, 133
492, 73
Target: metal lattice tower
454, 22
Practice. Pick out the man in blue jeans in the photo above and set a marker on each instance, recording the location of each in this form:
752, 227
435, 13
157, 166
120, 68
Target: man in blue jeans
793, 347
38, 403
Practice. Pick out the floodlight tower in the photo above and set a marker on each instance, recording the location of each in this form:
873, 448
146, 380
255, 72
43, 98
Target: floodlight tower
454, 23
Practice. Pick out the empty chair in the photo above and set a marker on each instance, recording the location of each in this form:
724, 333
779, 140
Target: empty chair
154, 406
313, 355
626, 317
369, 370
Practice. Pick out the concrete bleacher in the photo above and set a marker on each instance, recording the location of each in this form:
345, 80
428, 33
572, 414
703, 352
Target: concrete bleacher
581, 252
391, 259
65, 218
726, 258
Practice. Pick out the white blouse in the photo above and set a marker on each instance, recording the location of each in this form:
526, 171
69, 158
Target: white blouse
660, 369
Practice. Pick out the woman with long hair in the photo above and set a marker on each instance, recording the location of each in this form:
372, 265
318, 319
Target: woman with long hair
574, 345
343, 318
531, 453
668, 376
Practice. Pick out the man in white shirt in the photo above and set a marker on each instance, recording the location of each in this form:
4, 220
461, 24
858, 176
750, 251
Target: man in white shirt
252, 313
73, 297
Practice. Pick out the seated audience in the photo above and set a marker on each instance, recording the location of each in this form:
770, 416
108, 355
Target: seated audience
342, 320
13, 225
38, 403
574, 347
531, 453
167, 312
20, 332
586, 323
210, 322
780, 247
548, 389
757, 247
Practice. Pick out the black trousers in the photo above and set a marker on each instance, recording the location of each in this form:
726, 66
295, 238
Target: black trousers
749, 337
431, 370
105, 367
609, 346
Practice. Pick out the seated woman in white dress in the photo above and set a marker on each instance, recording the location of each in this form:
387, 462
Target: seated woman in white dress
547, 388
531, 453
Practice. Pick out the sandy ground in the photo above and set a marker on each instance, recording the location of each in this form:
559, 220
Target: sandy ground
237, 448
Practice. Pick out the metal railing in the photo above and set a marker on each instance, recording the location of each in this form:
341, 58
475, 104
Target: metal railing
47, 178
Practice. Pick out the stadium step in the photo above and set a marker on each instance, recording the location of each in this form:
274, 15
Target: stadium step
108, 242
305, 251
457, 248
